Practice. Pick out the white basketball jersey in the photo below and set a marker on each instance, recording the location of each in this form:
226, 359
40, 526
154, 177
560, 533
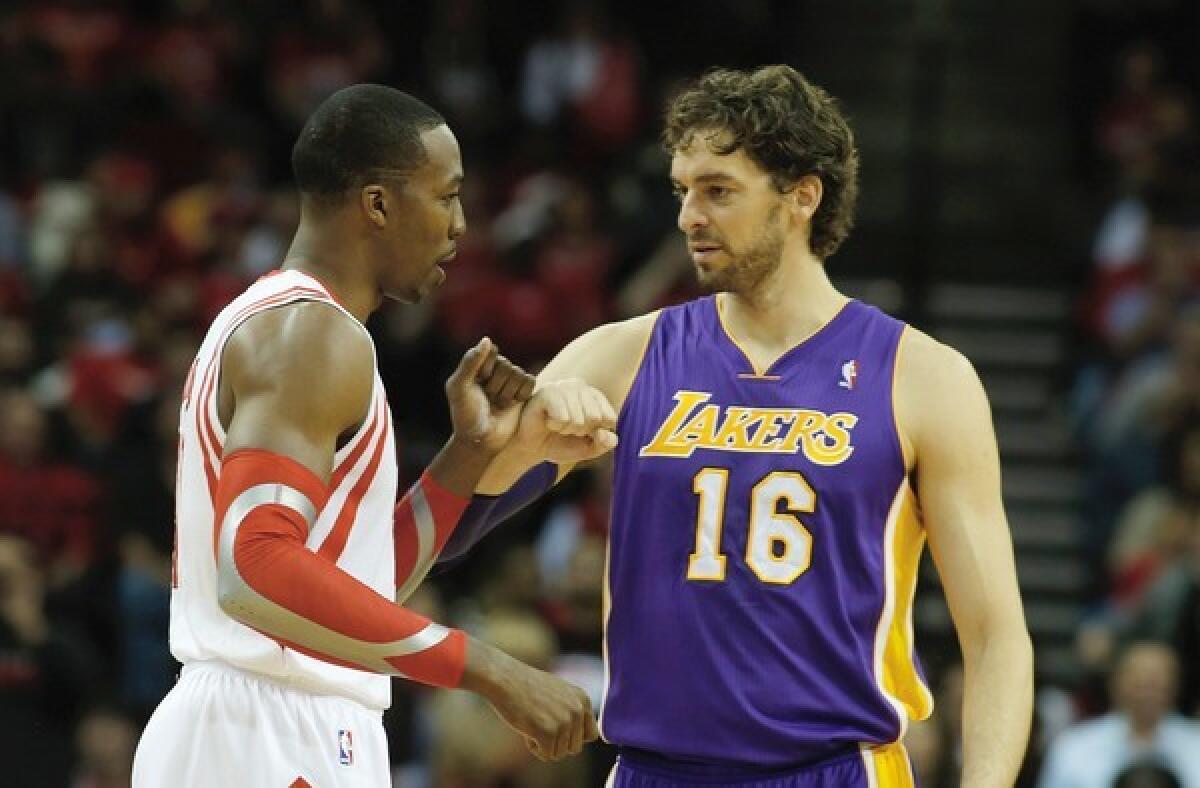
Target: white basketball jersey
354, 529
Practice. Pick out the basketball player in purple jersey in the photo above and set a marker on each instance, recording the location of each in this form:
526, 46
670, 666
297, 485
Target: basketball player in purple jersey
785, 453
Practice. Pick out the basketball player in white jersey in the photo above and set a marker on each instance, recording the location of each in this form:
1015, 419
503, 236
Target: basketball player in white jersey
293, 558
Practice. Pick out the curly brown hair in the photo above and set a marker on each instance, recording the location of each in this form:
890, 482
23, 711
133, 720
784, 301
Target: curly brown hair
787, 125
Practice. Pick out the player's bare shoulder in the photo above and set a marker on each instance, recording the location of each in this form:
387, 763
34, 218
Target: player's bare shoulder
924, 359
309, 360
937, 389
607, 357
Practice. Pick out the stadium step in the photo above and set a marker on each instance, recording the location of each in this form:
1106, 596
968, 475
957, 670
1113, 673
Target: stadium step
1001, 303
1043, 531
1056, 486
1027, 438
1010, 347
1018, 393
1049, 621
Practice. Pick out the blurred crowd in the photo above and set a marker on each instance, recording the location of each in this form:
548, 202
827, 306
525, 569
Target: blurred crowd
144, 181
1131, 715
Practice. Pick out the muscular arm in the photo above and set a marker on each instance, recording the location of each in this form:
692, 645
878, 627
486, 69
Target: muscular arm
296, 379
946, 423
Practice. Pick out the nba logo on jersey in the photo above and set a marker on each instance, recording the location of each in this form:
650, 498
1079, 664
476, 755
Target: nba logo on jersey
849, 374
345, 748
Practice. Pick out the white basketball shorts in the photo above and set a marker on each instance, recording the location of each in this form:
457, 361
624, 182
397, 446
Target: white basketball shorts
220, 727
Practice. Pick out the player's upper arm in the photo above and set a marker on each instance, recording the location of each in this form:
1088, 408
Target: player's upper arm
944, 416
299, 376
607, 357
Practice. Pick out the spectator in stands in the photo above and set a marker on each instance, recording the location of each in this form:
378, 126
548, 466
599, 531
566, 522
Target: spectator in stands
104, 743
568, 524
577, 616
1136, 307
1155, 528
1153, 398
573, 264
45, 671
16, 352
1126, 130
513, 582
52, 504
141, 521
1170, 612
1141, 725
319, 50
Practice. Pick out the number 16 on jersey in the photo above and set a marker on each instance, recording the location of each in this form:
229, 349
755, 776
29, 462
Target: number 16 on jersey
778, 546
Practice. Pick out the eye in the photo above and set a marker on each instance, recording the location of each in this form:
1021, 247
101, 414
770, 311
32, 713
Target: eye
449, 198
718, 192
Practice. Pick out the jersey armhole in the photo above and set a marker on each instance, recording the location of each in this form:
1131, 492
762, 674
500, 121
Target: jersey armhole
212, 402
641, 365
906, 458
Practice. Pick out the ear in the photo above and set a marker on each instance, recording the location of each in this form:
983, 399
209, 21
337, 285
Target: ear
805, 197
373, 199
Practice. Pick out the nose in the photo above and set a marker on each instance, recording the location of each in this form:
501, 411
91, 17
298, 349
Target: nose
458, 225
690, 216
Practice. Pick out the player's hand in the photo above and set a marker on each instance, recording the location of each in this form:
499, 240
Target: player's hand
566, 422
485, 394
554, 716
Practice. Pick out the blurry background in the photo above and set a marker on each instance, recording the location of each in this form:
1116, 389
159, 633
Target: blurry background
1029, 196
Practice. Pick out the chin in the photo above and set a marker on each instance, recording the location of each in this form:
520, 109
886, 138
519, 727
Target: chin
712, 281
408, 295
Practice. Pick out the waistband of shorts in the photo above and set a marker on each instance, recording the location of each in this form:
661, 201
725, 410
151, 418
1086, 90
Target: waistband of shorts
290, 684
703, 771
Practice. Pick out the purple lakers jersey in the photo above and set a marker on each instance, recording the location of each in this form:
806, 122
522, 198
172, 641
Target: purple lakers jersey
764, 548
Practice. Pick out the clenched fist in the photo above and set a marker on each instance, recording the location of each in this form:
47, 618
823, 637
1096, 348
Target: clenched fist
554, 716
566, 422
485, 394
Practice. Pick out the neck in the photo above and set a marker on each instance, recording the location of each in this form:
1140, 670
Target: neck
787, 307
1142, 729
325, 249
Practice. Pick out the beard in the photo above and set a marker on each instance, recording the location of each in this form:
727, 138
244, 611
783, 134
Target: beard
747, 269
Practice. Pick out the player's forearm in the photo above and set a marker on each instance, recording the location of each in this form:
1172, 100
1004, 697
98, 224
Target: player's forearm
460, 466
486, 512
286, 591
997, 708
269, 580
425, 518
485, 669
505, 469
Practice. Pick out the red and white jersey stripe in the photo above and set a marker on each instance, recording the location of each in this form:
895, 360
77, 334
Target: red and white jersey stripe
354, 528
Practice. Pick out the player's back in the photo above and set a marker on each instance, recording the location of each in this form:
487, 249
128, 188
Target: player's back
764, 548
353, 529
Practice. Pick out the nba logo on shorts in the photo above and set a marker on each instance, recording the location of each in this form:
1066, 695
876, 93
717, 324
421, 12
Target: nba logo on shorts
345, 747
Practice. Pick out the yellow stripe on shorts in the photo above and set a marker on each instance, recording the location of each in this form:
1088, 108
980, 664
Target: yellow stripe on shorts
888, 767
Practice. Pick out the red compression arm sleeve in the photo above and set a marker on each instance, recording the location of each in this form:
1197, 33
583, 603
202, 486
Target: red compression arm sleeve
271, 581
424, 520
